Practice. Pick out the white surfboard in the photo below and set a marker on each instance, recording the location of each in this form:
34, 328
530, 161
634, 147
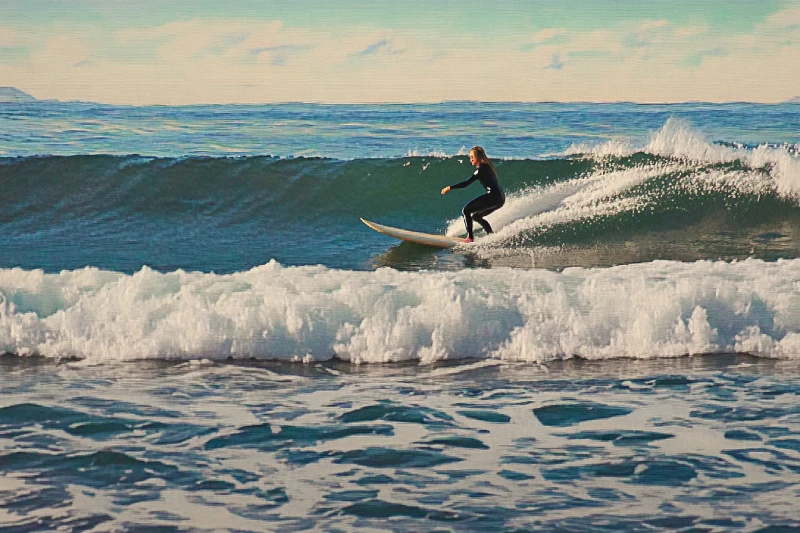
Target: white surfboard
428, 239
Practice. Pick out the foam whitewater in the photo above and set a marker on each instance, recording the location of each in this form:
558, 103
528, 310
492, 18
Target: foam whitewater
650, 310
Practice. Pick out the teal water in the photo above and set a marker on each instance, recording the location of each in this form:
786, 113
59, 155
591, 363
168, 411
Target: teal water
701, 444
198, 334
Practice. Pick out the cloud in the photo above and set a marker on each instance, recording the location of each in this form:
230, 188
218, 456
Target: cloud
223, 60
547, 35
63, 50
279, 55
657, 43
10, 38
374, 47
198, 38
649, 25
692, 31
647, 33
383, 46
555, 63
788, 18
221, 44
695, 59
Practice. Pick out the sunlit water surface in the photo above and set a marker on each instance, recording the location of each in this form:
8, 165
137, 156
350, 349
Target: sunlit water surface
695, 443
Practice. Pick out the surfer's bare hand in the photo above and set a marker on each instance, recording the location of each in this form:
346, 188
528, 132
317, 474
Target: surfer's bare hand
446, 190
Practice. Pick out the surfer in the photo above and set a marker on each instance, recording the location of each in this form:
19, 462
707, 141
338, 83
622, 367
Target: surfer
485, 203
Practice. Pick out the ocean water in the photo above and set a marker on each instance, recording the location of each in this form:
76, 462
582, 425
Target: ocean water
198, 333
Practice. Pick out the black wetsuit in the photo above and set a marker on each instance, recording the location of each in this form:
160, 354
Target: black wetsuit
485, 203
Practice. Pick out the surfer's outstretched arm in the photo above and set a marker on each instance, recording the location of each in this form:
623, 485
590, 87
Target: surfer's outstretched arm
461, 184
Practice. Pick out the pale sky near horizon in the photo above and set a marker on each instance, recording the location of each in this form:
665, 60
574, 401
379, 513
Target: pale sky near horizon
341, 51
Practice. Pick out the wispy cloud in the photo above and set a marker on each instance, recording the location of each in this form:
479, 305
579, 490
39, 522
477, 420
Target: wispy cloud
697, 58
279, 55
548, 35
788, 18
555, 62
251, 60
648, 33
10, 38
383, 46
692, 31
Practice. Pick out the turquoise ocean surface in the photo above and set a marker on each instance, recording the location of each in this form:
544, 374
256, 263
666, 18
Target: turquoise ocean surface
197, 333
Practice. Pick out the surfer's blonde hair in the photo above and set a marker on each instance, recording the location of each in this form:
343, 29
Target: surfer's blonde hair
482, 158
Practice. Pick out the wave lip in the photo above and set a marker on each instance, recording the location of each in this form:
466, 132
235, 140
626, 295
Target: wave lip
677, 139
659, 309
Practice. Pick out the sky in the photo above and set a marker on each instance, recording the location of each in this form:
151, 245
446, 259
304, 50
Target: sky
144, 52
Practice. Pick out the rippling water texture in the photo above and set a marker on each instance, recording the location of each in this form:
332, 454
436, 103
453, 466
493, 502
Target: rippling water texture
197, 333
701, 444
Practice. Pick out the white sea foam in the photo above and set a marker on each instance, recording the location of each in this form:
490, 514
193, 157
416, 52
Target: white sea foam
612, 148
679, 140
438, 153
658, 309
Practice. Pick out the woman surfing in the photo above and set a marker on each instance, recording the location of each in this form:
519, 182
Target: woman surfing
485, 203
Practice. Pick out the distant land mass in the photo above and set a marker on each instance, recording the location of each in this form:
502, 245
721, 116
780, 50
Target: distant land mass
795, 100
12, 94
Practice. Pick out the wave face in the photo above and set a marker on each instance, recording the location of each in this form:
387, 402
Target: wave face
239, 190
677, 187
116, 257
651, 310
703, 200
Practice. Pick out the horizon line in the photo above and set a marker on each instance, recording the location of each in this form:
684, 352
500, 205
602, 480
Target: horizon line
794, 100
29, 98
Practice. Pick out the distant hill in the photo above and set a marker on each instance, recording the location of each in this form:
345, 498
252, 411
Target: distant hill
795, 100
12, 94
